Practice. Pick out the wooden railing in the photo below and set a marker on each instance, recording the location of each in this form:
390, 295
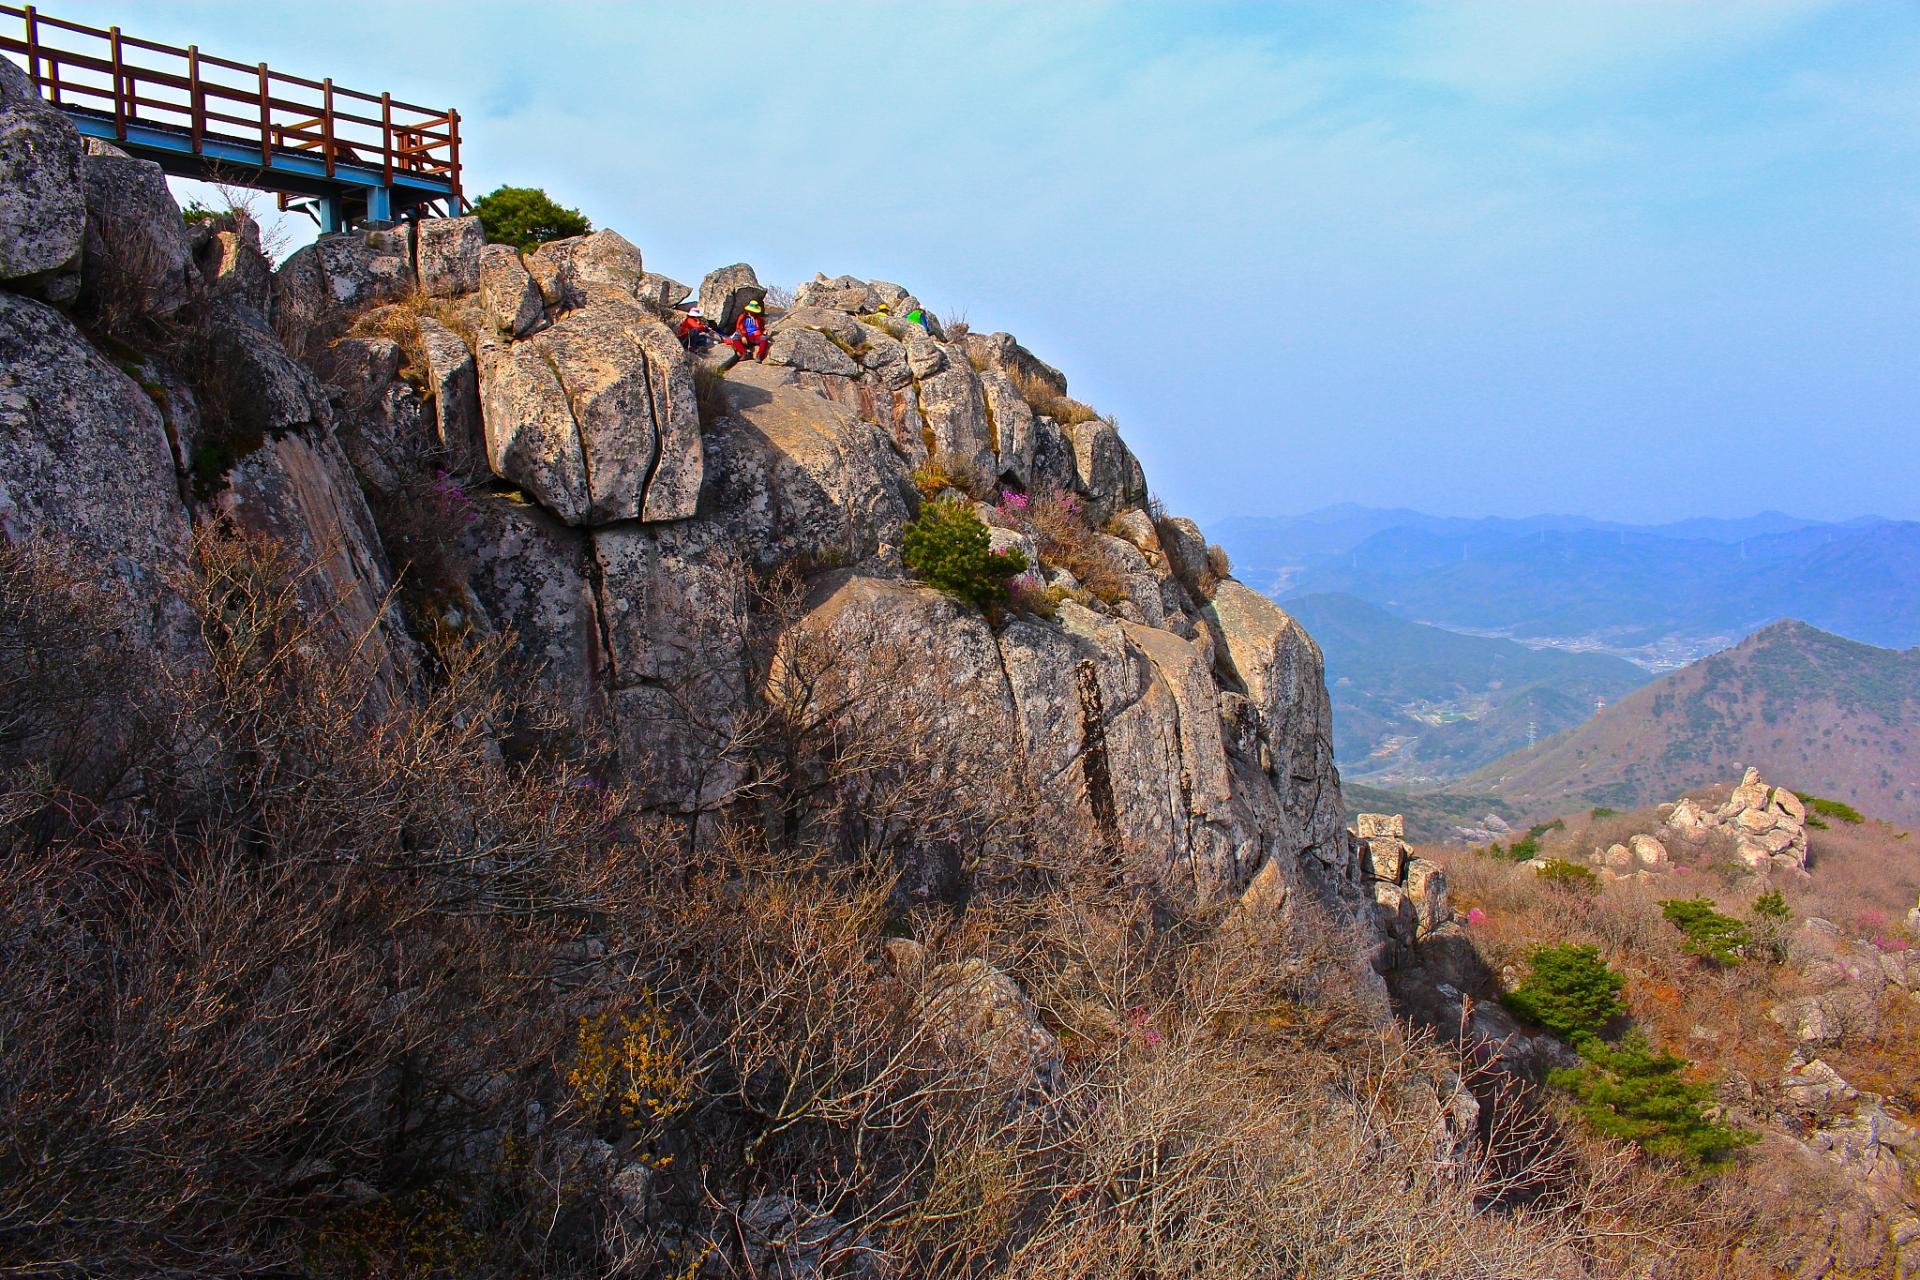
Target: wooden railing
128, 80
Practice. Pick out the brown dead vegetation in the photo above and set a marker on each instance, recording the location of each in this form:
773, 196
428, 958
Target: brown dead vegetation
1062, 409
331, 989
1773, 1207
1057, 522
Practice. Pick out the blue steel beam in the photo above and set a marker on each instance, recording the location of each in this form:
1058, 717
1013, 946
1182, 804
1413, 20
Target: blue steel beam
294, 172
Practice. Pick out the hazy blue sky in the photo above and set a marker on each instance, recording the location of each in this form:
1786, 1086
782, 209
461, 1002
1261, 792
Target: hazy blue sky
1642, 261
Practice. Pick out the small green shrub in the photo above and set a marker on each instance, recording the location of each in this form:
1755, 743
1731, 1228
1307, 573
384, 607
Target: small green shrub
1528, 847
1571, 876
1570, 992
1601, 811
526, 218
1832, 809
1709, 934
949, 547
1635, 1093
1769, 925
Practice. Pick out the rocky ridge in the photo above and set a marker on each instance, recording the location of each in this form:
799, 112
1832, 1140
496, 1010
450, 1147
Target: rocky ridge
1768, 824
595, 482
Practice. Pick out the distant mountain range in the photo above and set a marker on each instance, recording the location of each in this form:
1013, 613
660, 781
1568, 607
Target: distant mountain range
1659, 594
1414, 703
1813, 711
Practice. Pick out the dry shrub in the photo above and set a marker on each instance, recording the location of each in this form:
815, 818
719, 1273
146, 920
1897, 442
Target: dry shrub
1040, 398
123, 262
1865, 878
81, 709
945, 470
317, 960
357, 996
1057, 522
400, 322
1771, 1203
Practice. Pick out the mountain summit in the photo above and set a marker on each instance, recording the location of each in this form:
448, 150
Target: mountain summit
1826, 715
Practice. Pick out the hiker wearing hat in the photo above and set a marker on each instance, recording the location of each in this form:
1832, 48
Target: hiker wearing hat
693, 327
750, 330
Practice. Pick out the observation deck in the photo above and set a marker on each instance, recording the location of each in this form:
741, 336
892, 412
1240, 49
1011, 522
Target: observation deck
361, 159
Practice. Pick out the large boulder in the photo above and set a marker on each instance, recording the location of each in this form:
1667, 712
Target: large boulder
580, 269
1105, 469
319, 290
1121, 727
1768, 824
972, 1008
661, 292
233, 268
793, 475
1010, 420
953, 404
725, 291
84, 454
299, 489
453, 385
42, 196
379, 418
1272, 659
842, 293
507, 292
595, 417
808, 350
447, 256
999, 352
137, 260
530, 575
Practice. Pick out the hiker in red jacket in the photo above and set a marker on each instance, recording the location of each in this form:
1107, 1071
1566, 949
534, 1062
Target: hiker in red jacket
750, 331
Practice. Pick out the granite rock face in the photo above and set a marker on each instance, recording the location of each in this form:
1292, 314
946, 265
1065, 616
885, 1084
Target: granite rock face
595, 416
43, 210
607, 510
137, 252
447, 255
84, 454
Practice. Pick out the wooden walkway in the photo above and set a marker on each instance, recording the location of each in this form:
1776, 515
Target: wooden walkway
364, 159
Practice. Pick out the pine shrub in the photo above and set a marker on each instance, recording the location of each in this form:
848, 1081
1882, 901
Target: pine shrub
526, 218
1709, 934
1570, 992
1570, 876
950, 549
1636, 1093
1832, 809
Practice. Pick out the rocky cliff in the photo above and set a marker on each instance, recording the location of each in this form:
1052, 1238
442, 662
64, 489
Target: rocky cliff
462, 437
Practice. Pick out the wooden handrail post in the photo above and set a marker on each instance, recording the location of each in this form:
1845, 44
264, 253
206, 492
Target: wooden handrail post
386, 137
266, 121
33, 47
453, 154
119, 87
326, 122
196, 98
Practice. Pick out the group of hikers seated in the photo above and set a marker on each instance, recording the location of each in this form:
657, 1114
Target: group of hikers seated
749, 336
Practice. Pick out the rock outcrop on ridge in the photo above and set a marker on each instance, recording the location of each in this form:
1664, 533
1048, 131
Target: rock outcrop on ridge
1768, 824
597, 493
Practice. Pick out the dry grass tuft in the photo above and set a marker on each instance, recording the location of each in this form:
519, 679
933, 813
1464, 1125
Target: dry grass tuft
1057, 522
1061, 409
